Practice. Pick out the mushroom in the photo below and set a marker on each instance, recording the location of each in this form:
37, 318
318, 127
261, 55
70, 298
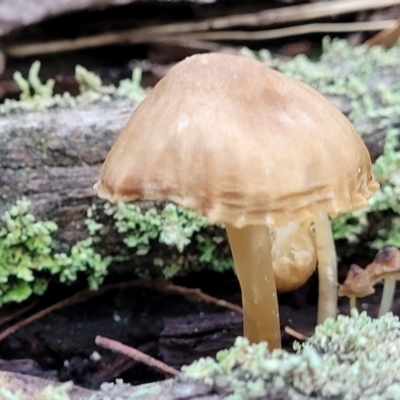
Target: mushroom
386, 267
358, 283
294, 254
251, 148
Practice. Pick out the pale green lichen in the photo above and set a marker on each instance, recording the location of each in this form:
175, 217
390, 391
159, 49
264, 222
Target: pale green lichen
350, 358
38, 96
173, 227
28, 258
50, 392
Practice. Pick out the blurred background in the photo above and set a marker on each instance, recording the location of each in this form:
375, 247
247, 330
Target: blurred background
111, 37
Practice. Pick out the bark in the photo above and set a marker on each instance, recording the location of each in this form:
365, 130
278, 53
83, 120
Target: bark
54, 158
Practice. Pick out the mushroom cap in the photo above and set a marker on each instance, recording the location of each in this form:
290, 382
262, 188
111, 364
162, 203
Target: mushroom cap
240, 143
358, 283
386, 264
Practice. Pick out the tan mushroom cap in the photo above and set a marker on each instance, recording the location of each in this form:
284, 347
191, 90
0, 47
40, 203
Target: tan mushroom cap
358, 283
240, 143
386, 264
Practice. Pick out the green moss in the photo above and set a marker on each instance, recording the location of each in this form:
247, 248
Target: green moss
28, 259
348, 358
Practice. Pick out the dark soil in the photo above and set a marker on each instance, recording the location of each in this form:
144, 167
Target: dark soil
169, 327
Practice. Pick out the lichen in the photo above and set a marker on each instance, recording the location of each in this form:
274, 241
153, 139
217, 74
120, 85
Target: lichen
349, 358
38, 96
179, 234
50, 392
29, 260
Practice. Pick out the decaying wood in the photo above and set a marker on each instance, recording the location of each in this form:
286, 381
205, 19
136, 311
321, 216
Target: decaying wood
12, 17
118, 38
198, 35
267, 17
194, 40
292, 31
54, 158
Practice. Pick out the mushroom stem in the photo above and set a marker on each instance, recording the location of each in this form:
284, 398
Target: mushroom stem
251, 250
353, 302
389, 287
327, 269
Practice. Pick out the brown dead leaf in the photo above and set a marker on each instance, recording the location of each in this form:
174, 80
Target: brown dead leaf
386, 38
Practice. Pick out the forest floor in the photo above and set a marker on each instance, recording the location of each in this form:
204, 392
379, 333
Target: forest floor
172, 328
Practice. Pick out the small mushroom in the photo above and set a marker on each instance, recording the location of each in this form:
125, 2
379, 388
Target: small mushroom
358, 283
386, 267
251, 148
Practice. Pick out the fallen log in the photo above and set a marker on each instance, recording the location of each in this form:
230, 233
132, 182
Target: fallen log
54, 157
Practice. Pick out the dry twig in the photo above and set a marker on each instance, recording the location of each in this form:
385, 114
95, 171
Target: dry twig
297, 335
106, 39
137, 355
196, 34
12, 315
165, 286
305, 12
157, 284
293, 31
195, 40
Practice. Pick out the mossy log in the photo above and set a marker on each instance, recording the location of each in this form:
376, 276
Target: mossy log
53, 158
